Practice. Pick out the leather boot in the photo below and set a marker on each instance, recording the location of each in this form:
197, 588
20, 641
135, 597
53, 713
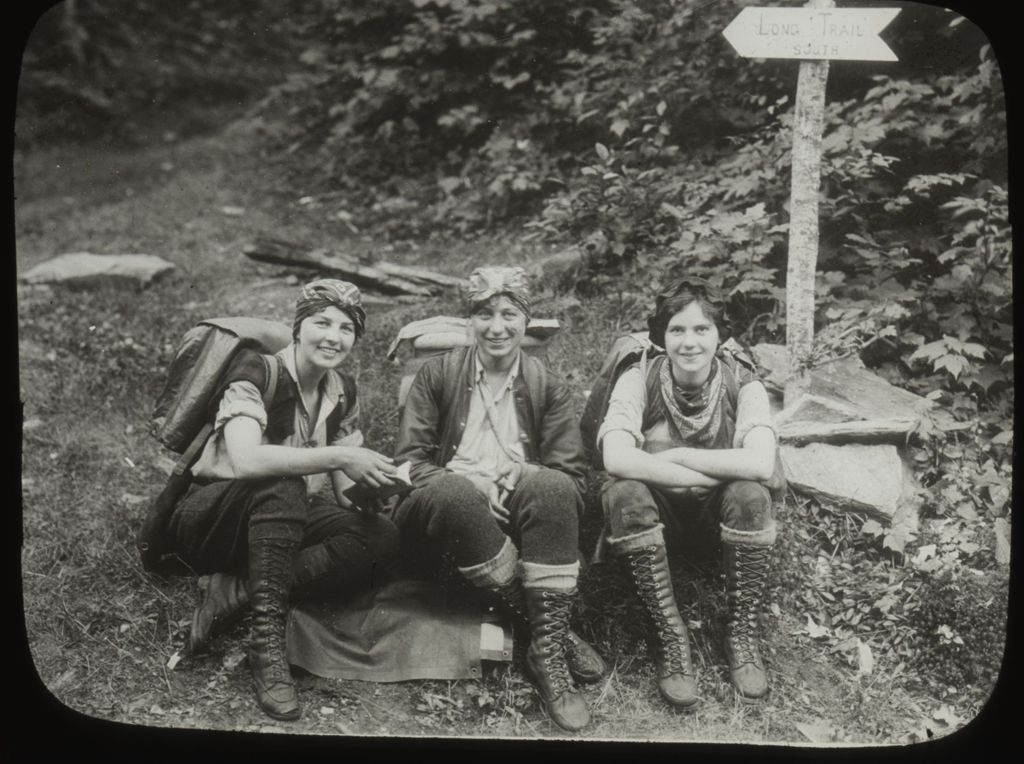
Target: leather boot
584, 663
647, 568
746, 575
225, 596
270, 569
548, 611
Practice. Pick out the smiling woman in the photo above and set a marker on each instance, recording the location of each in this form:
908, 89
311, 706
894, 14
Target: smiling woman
689, 447
260, 515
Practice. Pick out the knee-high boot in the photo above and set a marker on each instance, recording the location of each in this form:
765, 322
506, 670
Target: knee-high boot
746, 574
548, 611
270, 575
647, 569
584, 662
226, 596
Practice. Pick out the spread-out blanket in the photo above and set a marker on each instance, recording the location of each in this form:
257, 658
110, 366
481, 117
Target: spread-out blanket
405, 629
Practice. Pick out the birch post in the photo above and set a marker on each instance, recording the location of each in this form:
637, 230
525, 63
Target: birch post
815, 34
805, 186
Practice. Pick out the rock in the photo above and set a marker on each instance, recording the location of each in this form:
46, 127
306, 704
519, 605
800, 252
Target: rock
842, 402
773, 361
85, 270
868, 478
560, 270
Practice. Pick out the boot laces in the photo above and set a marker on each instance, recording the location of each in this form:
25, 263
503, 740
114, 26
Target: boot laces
749, 577
556, 644
672, 644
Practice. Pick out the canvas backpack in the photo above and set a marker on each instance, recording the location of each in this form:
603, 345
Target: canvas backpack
625, 351
182, 417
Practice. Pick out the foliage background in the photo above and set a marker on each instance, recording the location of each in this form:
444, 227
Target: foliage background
406, 125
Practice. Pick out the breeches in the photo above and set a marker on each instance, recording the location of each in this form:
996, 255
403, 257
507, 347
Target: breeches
211, 527
451, 515
697, 524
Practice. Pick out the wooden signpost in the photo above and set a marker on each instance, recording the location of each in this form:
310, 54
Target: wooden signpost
814, 34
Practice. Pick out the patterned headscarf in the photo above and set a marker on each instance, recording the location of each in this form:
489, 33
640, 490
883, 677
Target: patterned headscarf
323, 293
492, 281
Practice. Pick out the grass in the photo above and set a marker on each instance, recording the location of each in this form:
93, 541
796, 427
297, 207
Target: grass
102, 632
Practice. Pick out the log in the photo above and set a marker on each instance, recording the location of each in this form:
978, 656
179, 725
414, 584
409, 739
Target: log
418, 274
278, 252
864, 431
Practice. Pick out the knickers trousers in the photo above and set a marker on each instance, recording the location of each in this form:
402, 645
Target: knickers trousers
697, 522
450, 514
211, 527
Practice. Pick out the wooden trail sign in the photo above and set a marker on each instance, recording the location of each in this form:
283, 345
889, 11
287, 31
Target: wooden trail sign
813, 34
847, 34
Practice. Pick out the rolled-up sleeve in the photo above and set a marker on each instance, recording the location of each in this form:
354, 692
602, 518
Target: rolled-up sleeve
349, 432
752, 410
625, 407
241, 398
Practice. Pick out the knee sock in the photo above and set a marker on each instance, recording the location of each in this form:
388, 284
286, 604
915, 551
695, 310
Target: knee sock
540, 576
495, 572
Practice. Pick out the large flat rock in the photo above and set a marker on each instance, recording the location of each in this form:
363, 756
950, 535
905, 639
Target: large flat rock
85, 270
868, 478
844, 402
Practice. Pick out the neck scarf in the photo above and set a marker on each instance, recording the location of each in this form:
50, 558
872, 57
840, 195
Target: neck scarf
696, 414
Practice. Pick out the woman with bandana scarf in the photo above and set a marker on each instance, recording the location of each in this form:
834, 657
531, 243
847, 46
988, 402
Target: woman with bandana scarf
689, 446
266, 514
496, 461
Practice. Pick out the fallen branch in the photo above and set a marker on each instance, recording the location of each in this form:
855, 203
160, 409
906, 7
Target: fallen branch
386, 277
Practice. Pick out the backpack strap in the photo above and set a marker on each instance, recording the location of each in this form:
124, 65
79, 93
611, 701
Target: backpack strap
191, 454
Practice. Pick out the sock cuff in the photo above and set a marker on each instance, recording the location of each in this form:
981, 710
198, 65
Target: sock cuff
762, 537
538, 575
495, 572
654, 536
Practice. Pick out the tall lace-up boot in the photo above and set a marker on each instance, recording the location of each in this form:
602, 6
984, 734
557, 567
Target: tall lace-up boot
646, 567
270, 573
584, 662
746, 575
548, 611
226, 596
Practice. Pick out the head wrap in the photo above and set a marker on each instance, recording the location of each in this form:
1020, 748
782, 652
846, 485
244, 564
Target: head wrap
667, 304
323, 293
493, 281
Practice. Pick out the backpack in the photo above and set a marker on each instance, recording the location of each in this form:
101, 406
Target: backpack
624, 352
182, 416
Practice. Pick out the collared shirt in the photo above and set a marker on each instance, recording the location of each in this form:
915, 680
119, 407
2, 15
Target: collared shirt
480, 451
243, 398
629, 398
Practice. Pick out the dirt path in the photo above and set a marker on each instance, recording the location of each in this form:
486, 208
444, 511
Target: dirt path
107, 639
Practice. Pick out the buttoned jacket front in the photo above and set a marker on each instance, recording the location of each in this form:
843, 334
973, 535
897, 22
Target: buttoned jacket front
433, 417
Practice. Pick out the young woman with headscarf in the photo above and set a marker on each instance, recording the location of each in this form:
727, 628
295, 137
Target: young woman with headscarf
497, 466
266, 515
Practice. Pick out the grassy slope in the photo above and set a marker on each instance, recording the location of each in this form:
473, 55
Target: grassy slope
102, 631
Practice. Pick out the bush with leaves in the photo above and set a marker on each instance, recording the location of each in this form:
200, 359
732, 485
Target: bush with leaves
98, 67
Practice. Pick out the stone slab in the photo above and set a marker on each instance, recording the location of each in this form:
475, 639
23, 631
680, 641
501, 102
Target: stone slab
844, 402
86, 270
868, 478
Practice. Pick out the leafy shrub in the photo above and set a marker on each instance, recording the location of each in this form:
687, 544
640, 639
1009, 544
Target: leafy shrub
961, 629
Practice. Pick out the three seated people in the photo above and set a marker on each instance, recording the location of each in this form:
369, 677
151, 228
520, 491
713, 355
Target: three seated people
498, 473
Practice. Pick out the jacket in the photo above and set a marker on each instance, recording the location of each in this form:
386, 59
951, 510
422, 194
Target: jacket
433, 417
